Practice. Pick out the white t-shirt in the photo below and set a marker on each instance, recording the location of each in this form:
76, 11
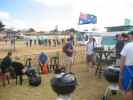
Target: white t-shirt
127, 51
89, 48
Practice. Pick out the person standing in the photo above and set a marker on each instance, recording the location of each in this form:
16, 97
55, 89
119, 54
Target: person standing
126, 69
119, 45
90, 52
68, 50
6, 67
30, 42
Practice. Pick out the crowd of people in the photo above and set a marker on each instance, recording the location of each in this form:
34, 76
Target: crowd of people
124, 49
7, 64
45, 42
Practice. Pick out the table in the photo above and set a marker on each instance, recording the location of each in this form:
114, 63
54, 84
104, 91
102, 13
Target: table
103, 57
104, 54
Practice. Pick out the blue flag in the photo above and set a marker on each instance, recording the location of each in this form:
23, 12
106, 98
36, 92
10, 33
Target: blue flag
87, 19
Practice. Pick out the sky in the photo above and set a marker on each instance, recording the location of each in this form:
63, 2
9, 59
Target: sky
44, 15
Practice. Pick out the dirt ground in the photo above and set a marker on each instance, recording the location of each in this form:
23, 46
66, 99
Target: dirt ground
89, 87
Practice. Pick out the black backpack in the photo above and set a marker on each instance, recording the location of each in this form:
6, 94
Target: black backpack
65, 47
33, 75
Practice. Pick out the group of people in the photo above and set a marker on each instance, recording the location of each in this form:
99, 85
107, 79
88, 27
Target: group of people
45, 42
124, 52
124, 49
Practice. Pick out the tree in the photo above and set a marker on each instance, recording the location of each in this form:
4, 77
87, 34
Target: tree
31, 30
70, 30
1, 26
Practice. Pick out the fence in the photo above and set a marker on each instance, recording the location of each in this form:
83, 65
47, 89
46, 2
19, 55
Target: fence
79, 57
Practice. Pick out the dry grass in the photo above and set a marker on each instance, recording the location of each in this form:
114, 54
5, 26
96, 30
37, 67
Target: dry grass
89, 86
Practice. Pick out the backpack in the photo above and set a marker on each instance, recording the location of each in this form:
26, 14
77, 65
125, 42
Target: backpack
34, 77
65, 47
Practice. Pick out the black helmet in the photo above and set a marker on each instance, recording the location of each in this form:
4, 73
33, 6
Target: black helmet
64, 83
111, 74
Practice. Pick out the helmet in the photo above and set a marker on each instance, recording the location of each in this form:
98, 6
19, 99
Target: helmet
64, 83
111, 74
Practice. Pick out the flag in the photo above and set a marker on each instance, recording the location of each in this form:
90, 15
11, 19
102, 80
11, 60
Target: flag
87, 19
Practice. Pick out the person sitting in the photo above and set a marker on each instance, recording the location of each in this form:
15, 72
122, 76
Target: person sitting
43, 60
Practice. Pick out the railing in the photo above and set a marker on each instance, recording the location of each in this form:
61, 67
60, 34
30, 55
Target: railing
79, 57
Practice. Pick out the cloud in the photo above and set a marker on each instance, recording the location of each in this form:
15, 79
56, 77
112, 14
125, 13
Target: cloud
16, 24
108, 12
65, 13
55, 2
13, 22
4, 15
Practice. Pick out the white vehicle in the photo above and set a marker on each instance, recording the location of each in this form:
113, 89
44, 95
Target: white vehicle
102, 39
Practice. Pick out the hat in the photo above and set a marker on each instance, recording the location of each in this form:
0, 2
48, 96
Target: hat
130, 33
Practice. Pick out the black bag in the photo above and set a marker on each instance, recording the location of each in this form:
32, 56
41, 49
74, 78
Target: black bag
34, 77
65, 50
35, 80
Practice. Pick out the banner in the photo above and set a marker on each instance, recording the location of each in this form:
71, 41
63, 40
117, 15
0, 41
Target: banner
87, 19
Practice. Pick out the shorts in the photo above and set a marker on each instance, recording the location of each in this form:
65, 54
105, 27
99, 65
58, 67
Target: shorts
90, 58
128, 78
68, 60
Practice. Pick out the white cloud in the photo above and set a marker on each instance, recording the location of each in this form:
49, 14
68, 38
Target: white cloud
108, 12
4, 15
11, 22
55, 2
15, 24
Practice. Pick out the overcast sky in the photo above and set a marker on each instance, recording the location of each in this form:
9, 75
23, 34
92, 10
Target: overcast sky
46, 14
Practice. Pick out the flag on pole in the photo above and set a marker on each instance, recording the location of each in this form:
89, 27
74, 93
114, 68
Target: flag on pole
87, 19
